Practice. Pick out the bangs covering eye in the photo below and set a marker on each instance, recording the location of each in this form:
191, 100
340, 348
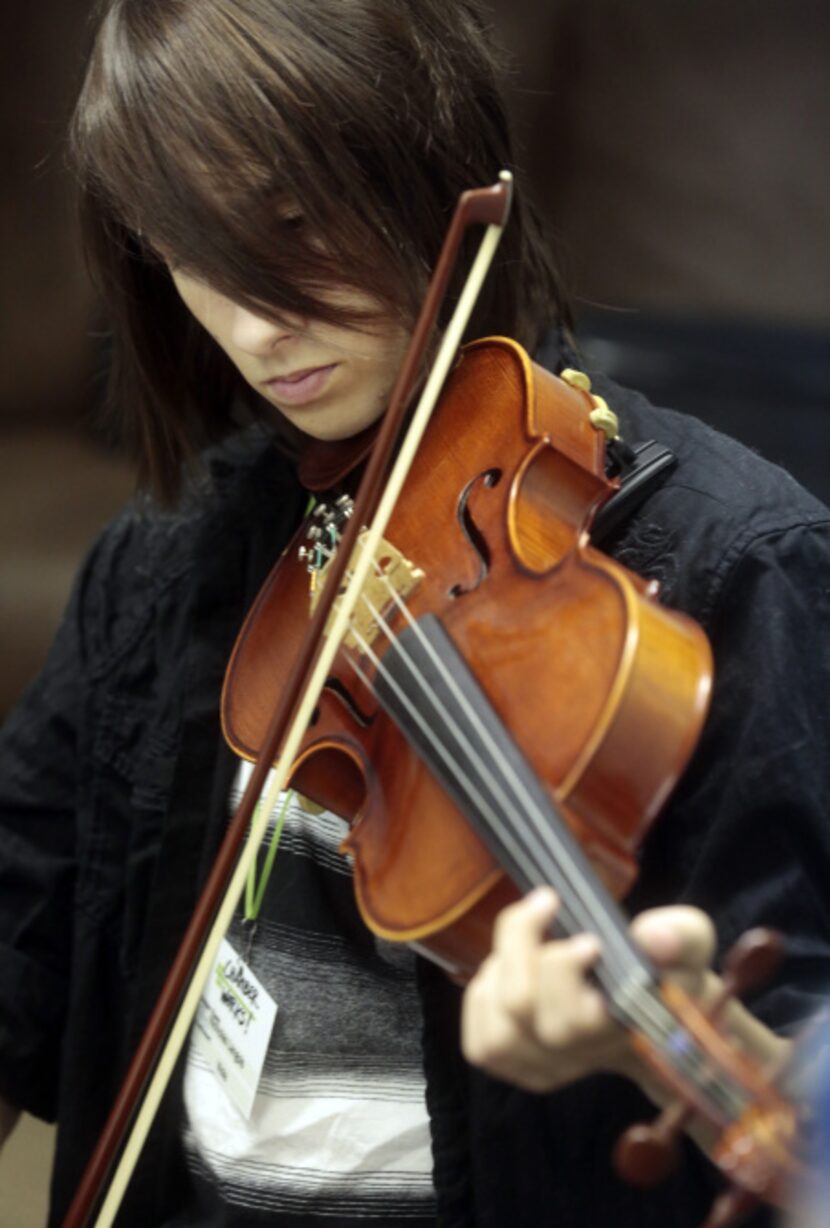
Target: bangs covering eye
280, 159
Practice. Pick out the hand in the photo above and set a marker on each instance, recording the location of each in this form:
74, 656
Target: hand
532, 1017
529, 1015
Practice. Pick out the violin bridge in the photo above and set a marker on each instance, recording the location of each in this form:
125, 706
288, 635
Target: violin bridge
391, 580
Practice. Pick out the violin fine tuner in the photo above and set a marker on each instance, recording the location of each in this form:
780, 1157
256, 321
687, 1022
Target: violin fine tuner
324, 531
392, 572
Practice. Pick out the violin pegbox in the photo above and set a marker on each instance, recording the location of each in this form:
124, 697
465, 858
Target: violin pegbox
758, 1146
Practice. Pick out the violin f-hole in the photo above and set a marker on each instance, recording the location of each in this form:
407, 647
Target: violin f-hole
489, 478
340, 692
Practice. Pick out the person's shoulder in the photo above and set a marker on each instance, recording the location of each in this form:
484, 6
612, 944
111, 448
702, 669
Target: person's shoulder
148, 553
241, 478
720, 503
714, 468
714, 476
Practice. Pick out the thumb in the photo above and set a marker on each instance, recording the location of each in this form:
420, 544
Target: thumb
678, 938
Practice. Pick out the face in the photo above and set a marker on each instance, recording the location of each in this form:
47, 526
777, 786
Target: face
329, 381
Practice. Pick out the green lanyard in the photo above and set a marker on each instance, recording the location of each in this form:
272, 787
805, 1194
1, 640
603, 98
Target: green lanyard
255, 892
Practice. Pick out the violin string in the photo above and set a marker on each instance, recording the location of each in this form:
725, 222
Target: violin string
654, 1027
649, 1024
660, 1029
518, 798
584, 890
646, 1010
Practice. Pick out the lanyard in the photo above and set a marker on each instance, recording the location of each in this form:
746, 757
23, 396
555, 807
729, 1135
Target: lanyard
255, 891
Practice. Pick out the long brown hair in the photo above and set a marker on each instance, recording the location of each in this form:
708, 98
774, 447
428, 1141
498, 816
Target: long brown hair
232, 134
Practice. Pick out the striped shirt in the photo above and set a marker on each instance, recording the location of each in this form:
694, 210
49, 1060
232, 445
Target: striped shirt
339, 1129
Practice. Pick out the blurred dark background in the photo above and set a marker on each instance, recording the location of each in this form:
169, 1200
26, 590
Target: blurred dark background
59, 482
678, 152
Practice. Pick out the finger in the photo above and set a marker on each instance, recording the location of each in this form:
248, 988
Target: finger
678, 937
492, 1039
521, 930
569, 1010
526, 922
567, 1034
491, 1035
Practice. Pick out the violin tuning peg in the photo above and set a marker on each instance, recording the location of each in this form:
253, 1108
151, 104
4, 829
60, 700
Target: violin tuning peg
749, 963
642, 1158
648, 1153
752, 961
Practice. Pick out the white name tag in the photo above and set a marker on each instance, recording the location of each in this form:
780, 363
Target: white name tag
233, 1027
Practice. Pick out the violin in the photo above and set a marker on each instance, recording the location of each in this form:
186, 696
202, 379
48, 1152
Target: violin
493, 704
510, 707
487, 610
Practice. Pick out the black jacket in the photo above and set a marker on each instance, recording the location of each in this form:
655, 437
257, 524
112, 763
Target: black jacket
114, 783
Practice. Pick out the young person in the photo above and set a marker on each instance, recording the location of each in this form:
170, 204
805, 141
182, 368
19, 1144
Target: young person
265, 190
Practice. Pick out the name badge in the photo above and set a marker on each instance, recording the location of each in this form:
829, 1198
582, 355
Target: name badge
233, 1027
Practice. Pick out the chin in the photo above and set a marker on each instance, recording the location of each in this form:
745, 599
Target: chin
337, 431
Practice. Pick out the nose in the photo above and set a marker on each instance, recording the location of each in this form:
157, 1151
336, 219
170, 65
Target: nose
255, 334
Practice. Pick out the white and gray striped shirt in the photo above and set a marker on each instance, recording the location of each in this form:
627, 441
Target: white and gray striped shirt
339, 1128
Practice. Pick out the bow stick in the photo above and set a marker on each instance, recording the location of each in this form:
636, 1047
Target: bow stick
169, 1026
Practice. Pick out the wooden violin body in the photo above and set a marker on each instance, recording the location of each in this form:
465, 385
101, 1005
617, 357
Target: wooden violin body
604, 690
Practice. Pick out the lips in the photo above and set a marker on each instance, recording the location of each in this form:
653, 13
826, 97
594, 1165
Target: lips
300, 386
